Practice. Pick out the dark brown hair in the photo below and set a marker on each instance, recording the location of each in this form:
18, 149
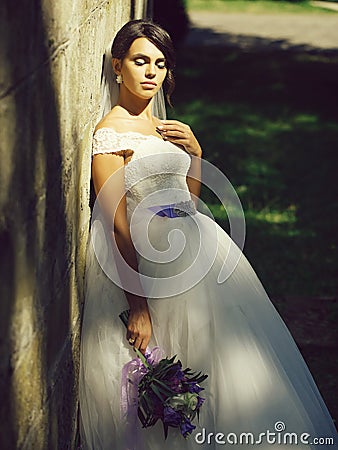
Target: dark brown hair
156, 35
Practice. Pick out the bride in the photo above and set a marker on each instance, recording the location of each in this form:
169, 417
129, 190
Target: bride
151, 251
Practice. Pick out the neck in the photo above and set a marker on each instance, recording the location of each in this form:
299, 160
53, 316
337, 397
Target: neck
135, 105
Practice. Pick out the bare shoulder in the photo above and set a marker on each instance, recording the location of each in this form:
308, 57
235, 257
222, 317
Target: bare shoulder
114, 121
121, 122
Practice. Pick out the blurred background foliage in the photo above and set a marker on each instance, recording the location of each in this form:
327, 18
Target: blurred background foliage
269, 121
255, 6
173, 16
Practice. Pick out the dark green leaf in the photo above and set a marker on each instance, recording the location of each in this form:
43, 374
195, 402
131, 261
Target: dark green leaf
165, 429
156, 392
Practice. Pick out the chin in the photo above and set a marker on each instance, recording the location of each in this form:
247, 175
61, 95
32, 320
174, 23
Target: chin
148, 96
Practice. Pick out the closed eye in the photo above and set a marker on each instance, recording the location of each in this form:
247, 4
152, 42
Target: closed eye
161, 64
140, 61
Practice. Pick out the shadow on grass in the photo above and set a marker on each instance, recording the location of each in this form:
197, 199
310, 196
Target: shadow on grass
267, 117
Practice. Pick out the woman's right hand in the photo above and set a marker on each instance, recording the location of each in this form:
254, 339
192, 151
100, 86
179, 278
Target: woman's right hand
139, 328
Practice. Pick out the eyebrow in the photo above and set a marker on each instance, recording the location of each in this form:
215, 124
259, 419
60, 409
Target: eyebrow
141, 55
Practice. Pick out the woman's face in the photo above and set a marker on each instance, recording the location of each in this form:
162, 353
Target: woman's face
143, 69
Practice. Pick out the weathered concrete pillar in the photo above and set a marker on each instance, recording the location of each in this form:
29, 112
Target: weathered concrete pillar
51, 56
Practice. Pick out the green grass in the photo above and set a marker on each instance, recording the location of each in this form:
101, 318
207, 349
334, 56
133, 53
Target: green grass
255, 6
269, 121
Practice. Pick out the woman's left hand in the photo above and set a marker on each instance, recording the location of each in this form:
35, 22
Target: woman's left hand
180, 134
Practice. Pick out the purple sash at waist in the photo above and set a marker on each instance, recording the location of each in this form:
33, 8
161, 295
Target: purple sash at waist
174, 209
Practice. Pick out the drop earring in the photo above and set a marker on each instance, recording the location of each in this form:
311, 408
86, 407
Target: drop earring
119, 79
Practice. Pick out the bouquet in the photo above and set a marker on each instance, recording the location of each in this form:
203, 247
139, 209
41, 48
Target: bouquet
161, 390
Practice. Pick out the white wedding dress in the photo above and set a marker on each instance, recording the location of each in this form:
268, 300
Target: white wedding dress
257, 379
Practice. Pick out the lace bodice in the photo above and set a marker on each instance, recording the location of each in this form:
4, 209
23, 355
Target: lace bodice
156, 172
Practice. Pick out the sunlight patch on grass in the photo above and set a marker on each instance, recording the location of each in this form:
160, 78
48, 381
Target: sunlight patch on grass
269, 216
287, 216
222, 213
222, 117
306, 118
269, 123
255, 7
267, 128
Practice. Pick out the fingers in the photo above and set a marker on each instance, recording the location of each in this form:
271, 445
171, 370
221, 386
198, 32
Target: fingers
131, 341
139, 330
143, 346
168, 123
139, 342
173, 125
178, 127
175, 134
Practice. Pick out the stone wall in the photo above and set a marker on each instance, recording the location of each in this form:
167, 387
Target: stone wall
51, 56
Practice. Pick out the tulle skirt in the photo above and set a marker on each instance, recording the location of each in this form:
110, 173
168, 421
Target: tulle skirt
258, 383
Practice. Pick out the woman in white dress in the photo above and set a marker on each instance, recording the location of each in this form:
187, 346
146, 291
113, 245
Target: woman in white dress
152, 251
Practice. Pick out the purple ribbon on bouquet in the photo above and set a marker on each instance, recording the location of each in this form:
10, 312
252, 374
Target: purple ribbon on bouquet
132, 372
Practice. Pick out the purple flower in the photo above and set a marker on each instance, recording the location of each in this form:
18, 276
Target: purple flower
194, 387
186, 427
200, 401
176, 371
180, 374
167, 392
175, 385
171, 417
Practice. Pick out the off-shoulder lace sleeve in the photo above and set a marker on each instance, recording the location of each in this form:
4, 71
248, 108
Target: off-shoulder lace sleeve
106, 140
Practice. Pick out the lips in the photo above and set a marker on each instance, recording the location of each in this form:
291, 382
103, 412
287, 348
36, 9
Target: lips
149, 83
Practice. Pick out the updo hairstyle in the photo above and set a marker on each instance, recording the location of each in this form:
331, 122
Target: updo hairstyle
156, 35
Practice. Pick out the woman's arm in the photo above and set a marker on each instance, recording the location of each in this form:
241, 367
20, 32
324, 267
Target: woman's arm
112, 198
194, 178
181, 134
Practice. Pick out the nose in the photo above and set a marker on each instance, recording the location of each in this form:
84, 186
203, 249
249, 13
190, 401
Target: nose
150, 71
